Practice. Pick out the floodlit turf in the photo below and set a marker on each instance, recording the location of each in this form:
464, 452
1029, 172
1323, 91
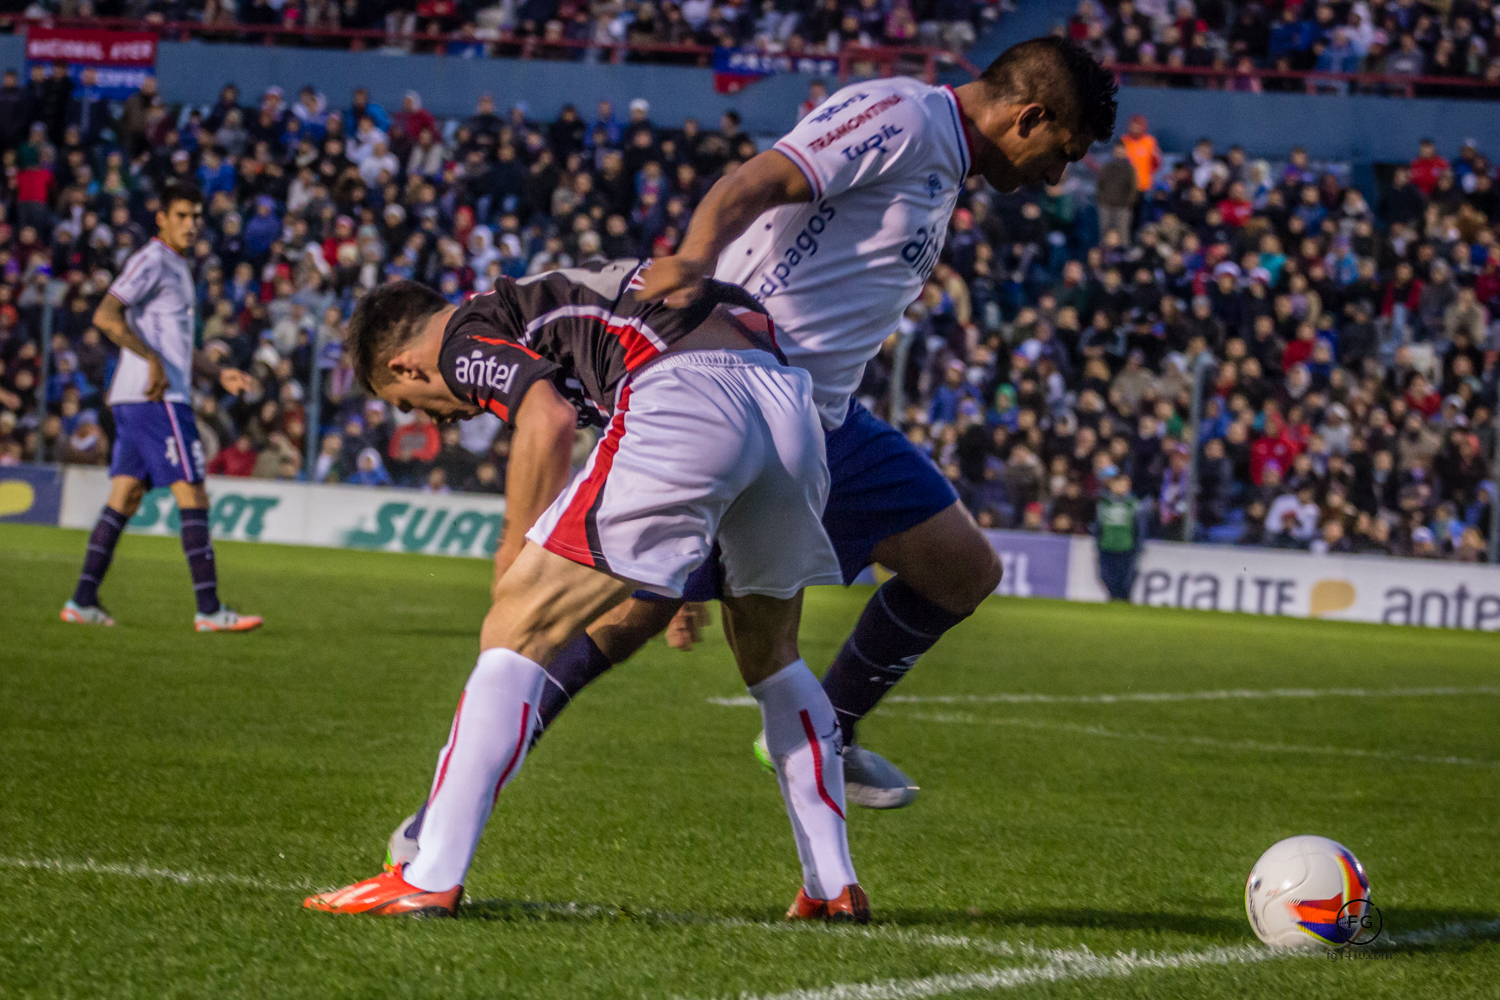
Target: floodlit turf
167, 798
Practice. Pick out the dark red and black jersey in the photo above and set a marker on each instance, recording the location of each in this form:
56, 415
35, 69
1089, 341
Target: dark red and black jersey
581, 327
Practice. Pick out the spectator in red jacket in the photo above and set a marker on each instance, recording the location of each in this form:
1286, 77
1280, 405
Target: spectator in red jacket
418, 441
1237, 208
1422, 397
1428, 168
1300, 349
236, 460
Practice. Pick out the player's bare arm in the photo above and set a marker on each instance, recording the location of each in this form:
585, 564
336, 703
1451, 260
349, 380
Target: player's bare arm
110, 319
539, 467
766, 181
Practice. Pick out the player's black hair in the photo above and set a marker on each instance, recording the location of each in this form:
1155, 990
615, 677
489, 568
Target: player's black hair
385, 320
1063, 76
175, 191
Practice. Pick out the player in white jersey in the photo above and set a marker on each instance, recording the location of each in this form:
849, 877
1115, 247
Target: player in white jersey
835, 231
148, 312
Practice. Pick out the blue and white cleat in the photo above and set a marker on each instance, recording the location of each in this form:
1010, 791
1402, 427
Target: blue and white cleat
869, 779
874, 782
80, 615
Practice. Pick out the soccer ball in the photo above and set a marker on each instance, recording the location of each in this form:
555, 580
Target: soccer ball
1307, 893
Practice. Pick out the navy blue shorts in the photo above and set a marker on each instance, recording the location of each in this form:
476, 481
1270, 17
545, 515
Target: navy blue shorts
157, 443
880, 485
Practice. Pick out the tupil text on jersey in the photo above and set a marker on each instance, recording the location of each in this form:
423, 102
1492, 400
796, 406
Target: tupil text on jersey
478, 370
804, 245
875, 142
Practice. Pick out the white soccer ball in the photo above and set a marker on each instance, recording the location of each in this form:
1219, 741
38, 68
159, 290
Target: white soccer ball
1307, 893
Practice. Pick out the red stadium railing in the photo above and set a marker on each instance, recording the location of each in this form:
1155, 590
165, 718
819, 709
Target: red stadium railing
1310, 81
886, 60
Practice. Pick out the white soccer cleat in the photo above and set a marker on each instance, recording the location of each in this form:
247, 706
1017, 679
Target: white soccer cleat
80, 615
225, 620
874, 782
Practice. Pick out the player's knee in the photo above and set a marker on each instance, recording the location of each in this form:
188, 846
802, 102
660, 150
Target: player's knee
987, 575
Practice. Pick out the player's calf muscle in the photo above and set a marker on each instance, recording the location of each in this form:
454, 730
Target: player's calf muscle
622, 632
946, 559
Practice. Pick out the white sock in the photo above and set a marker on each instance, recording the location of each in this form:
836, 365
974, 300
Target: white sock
491, 732
802, 734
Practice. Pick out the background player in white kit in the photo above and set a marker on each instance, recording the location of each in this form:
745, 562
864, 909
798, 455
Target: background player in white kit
148, 313
835, 231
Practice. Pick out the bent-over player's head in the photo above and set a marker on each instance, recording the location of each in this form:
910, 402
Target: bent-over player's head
1045, 102
180, 216
394, 345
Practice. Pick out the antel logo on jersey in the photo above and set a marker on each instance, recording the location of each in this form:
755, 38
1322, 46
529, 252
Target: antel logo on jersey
476, 369
868, 114
876, 142
833, 109
921, 251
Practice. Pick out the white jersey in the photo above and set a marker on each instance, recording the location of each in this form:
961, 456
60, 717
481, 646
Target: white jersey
886, 160
156, 287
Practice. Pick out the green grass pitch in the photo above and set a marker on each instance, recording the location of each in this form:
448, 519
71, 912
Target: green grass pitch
168, 798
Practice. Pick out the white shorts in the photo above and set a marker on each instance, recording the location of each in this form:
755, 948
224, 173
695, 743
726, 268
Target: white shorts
704, 446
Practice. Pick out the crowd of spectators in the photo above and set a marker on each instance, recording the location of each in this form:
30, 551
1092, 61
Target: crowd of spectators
1348, 350
474, 28
1400, 38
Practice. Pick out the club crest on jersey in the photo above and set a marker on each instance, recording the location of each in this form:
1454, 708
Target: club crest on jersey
875, 142
934, 185
478, 370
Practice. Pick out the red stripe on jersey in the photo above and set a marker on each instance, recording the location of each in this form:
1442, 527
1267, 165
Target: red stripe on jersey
570, 538
638, 348
817, 756
497, 342
498, 408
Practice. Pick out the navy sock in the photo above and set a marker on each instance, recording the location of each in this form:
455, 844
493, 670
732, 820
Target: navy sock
200, 557
571, 670
897, 626
101, 550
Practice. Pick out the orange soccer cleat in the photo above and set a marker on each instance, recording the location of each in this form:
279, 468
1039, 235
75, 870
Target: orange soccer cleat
225, 620
387, 895
851, 906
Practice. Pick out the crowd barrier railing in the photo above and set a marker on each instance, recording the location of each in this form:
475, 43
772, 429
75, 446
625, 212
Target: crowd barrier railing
885, 60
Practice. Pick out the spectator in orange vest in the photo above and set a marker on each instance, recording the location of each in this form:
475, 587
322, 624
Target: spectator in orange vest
1144, 153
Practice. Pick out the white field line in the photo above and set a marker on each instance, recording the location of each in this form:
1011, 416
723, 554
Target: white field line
1200, 741
1237, 694
1059, 965
92, 867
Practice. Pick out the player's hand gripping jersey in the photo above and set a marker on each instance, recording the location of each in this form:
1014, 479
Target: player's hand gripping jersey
582, 327
886, 160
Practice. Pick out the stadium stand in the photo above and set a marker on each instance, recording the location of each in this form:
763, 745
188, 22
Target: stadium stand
467, 28
1402, 47
1347, 349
